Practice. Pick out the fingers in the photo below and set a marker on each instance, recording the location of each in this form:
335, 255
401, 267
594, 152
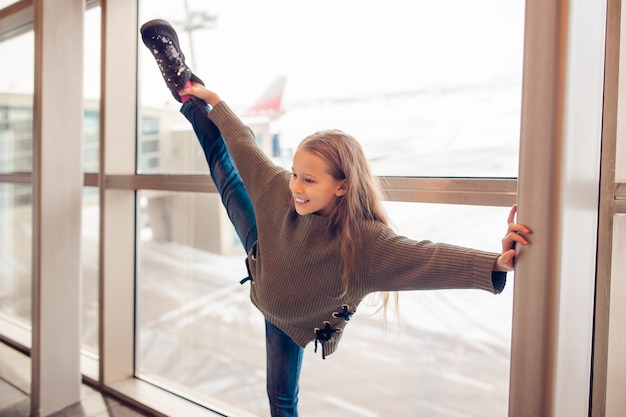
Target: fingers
515, 233
506, 260
513, 237
201, 92
516, 228
511, 218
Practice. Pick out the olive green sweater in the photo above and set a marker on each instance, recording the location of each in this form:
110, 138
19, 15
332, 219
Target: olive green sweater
296, 265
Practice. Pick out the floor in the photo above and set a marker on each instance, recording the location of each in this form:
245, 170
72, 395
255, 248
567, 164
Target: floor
15, 391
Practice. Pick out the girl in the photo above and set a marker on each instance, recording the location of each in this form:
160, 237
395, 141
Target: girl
317, 238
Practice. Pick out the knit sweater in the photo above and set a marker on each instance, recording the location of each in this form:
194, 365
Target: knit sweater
295, 267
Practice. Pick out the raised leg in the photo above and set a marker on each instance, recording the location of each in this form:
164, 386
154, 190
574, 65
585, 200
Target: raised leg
223, 171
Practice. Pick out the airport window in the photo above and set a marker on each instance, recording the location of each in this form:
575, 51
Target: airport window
15, 254
16, 137
430, 92
89, 254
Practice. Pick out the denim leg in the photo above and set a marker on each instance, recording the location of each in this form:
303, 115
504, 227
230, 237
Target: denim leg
284, 361
223, 171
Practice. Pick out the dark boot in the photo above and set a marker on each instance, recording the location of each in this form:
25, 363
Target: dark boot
160, 37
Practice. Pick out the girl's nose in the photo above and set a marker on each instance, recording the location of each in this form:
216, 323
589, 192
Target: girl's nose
296, 186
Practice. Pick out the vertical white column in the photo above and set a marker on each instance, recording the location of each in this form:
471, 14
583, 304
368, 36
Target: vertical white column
117, 207
558, 198
57, 202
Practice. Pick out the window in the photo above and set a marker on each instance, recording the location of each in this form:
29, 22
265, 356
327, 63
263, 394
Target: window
16, 157
429, 91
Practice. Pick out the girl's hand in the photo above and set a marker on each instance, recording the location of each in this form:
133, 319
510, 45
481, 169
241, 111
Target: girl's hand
201, 92
516, 233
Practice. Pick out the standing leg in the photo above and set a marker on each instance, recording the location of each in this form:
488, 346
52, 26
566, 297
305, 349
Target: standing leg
223, 171
284, 361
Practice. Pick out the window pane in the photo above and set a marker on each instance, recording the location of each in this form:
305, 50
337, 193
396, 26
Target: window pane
91, 89
15, 253
191, 310
429, 88
5, 3
16, 105
91, 163
16, 144
90, 261
448, 352
198, 333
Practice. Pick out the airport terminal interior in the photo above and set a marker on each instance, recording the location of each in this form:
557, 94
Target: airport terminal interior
122, 279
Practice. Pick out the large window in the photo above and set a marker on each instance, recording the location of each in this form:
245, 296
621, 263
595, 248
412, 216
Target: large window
16, 157
91, 164
429, 89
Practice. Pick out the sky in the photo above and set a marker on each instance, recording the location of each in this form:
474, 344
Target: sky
338, 49
327, 49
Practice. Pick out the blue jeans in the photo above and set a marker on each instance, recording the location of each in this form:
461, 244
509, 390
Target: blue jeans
283, 355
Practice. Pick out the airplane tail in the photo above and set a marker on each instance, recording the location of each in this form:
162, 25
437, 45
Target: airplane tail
270, 102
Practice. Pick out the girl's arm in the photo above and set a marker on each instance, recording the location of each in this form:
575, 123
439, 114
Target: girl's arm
255, 168
397, 263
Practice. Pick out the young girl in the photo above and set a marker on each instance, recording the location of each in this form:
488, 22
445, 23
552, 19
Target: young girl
317, 238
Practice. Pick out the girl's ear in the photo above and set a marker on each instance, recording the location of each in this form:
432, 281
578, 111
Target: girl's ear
342, 190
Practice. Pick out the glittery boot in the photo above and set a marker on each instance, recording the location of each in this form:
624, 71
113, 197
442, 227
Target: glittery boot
161, 39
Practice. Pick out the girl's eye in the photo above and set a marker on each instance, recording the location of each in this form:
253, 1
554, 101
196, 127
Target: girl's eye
309, 180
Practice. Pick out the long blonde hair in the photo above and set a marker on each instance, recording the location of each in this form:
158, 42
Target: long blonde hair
364, 194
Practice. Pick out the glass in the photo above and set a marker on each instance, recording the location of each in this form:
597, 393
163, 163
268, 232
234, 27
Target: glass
446, 353
16, 215
429, 88
16, 144
199, 334
91, 163
5, 3
91, 90
90, 262
16, 105
196, 329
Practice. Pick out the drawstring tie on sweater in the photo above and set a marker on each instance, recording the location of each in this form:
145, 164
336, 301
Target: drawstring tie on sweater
326, 334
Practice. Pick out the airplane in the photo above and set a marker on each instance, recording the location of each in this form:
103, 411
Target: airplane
270, 102
267, 109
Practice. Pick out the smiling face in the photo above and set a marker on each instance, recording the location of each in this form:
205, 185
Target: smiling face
313, 188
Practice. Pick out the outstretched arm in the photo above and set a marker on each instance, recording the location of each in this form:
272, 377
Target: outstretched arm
516, 233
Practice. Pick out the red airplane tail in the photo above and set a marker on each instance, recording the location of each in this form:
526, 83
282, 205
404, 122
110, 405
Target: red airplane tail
270, 102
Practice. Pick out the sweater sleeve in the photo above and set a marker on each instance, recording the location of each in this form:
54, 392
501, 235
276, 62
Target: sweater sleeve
399, 263
255, 168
